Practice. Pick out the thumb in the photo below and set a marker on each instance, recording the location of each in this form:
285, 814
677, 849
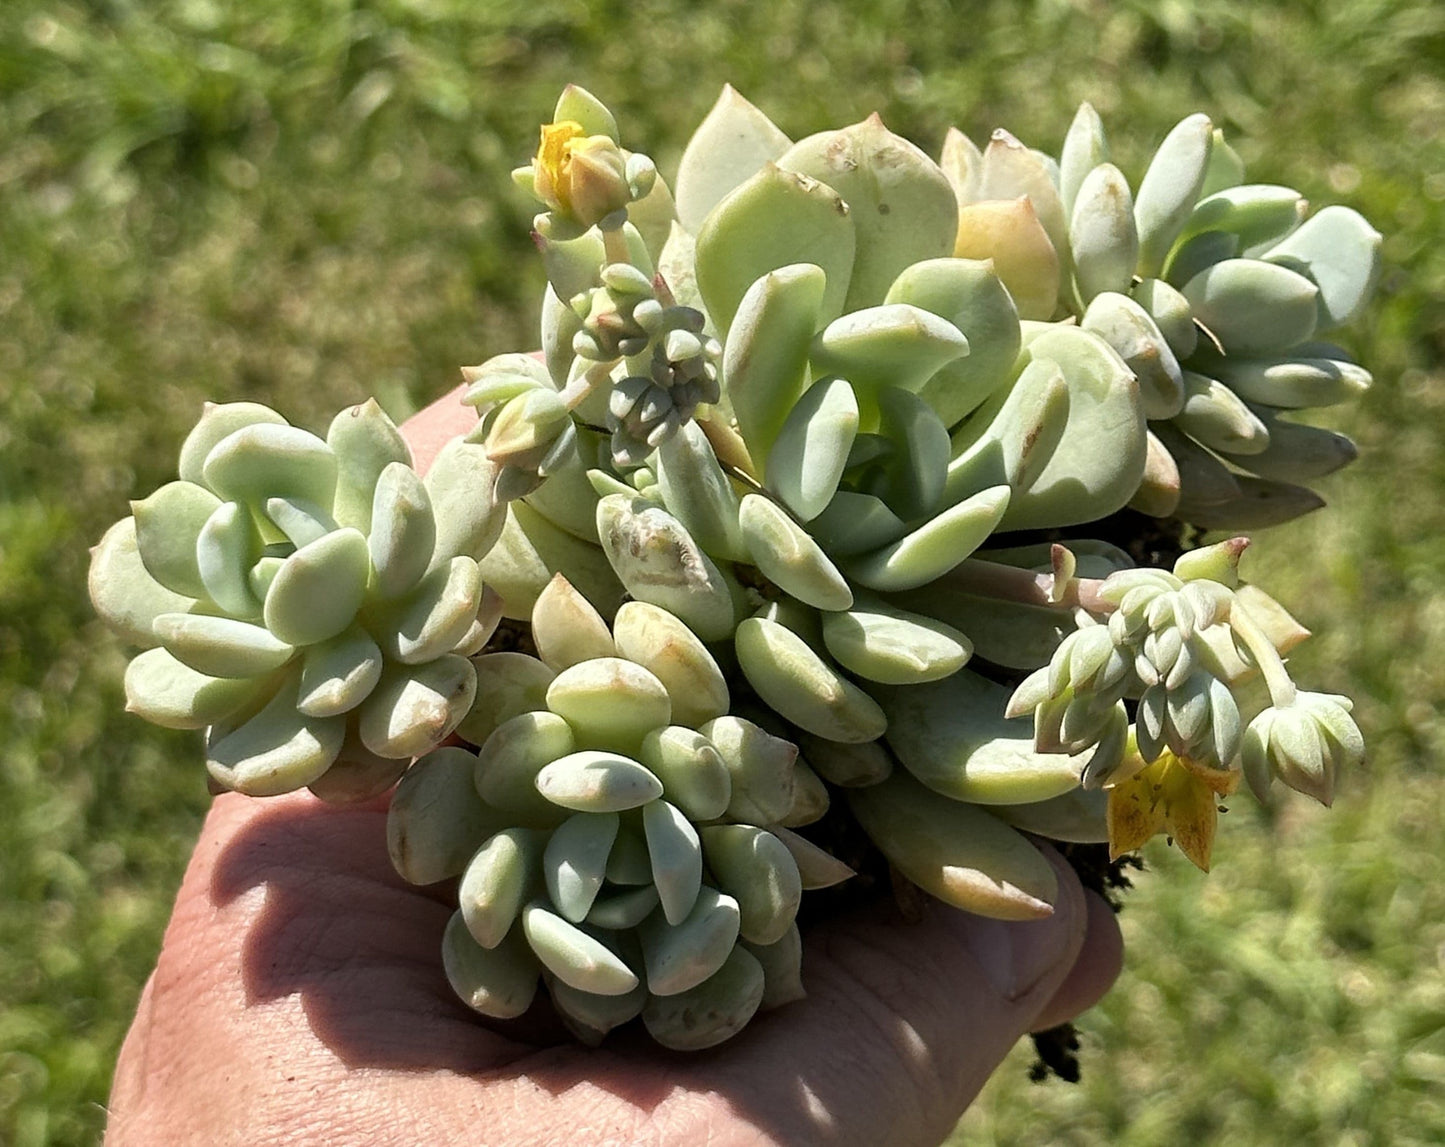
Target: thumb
903, 1022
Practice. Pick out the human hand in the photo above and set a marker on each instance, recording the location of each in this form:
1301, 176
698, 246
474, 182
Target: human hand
299, 998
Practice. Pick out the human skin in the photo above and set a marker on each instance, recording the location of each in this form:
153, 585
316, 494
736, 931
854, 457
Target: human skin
299, 999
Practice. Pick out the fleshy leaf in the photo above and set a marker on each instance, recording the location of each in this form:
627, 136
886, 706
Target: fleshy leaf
1078, 816
611, 702
598, 782
509, 761
319, 588
1255, 212
698, 493
531, 549
122, 590
167, 525
692, 772
403, 530
1007, 232
811, 450
900, 202
1085, 148
464, 506
1131, 332
168, 693
566, 628
1170, 188
956, 852
365, 441
676, 855
731, 145
793, 680
1010, 439
1081, 482
969, 295
575, 957
757, 869
953, 737
789, 557
574, 863
263, 461
414, 708
278, 750
776, 219
765, 359
935, 547
712, 1012
225, 549
658, 641
338, 675
1253, 307
508, 684
681, 956
218, 422
436, 822
500, 982
659, 562
222, 646
882, 643
1339, 252
1102, 236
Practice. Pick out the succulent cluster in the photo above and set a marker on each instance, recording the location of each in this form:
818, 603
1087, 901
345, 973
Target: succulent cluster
1184, 646
1214, 291
636, 829
310, 602
793, 505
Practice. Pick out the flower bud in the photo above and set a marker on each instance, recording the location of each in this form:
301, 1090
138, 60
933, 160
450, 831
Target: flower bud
1304, 744
581, 177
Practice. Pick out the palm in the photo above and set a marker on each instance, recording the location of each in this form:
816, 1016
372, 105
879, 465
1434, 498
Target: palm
300, 986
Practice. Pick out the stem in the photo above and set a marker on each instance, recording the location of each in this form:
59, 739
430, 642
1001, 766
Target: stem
575, 393
1282, 689
614, 246
1009, 583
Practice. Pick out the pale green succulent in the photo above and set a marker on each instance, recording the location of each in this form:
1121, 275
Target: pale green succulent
1180, 644
618, 834
802, 425
884, 410
1214, 291
311, 603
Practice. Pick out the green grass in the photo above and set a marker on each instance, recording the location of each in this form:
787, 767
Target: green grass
309, 203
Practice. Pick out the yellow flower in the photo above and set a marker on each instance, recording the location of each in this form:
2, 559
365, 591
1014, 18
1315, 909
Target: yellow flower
582, 177
1174, 795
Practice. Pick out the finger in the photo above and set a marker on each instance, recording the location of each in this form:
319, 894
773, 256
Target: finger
903, 1024
1094, 972
434, 426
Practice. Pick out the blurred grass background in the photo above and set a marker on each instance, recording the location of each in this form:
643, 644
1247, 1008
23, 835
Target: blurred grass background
305, 204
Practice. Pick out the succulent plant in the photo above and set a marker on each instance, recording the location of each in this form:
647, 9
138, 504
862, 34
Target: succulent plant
618, 833
1216, 292
794, 506
311, 603
1185, 646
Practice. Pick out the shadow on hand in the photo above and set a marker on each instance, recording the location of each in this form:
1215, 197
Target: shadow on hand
879, 1032
361, 947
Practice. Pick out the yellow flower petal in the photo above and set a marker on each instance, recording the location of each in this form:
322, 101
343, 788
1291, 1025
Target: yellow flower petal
1190, 814
1135, 810
1174, 795
554, 156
